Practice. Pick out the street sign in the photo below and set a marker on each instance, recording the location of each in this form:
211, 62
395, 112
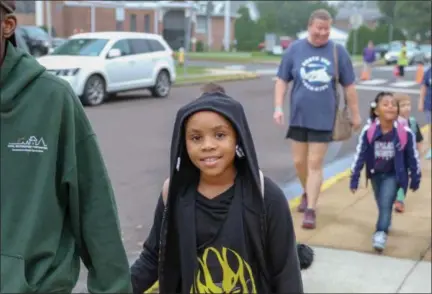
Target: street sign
356, 20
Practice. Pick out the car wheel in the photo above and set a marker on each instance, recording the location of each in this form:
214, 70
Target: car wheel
37, 53
94, 91
163, 85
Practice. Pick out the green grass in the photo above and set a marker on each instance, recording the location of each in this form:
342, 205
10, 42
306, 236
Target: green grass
245, 57
185, 80
190, 70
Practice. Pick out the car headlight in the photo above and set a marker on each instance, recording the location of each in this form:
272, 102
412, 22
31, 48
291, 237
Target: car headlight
387, 56
67, 72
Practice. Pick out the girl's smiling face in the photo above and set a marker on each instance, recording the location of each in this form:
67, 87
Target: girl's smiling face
210, 143
387, 108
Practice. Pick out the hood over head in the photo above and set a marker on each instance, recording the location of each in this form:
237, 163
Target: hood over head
229, 108
17, 72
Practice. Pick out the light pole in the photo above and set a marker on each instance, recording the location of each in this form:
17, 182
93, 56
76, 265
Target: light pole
227, 27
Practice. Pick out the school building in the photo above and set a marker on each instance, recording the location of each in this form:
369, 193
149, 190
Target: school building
167, 18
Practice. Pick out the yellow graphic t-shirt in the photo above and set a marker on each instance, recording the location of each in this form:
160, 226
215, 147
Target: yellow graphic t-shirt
220, 271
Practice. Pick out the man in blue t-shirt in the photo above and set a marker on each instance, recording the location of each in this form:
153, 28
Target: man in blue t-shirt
425, 103
310, 65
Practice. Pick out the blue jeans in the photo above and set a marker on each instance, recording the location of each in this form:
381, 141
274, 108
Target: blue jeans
385, 189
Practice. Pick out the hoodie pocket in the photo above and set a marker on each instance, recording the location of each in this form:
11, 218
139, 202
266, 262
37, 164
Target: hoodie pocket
13, 275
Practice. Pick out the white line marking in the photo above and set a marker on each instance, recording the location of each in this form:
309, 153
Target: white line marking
404, 84
373, 82
235, 67
267, 72
387, 89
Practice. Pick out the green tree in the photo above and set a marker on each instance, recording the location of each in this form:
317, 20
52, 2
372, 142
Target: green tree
388, 9
248, 33
289, 17
415, 18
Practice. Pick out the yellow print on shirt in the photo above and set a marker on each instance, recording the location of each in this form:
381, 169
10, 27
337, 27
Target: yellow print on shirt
237, 276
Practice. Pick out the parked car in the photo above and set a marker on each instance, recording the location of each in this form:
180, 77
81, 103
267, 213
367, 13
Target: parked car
38, 41
99, 64
414, 54
426, 49
21, 42
381, 50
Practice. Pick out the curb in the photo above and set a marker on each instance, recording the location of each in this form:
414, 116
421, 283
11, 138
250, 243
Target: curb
217, 78
327, 184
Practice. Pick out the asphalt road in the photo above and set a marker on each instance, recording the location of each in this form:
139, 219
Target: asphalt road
134, 132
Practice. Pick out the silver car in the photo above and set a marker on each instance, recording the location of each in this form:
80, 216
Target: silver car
414, 54
426, 49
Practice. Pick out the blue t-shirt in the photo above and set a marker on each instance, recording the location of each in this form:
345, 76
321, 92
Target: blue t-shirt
313, 98
427, 81
384, 153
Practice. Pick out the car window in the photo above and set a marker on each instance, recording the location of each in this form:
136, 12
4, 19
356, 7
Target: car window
21, 43
140, 46
123, 46
81, 47
155, 45
35, 32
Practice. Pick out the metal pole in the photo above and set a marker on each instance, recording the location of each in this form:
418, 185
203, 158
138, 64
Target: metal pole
49, 18
188, 12
93, 18
391, 32
39, 11
227, 26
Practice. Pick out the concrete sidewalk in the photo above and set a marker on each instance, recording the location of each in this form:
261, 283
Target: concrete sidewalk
346, 222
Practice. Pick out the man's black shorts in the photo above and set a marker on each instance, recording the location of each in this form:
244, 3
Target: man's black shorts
306, 135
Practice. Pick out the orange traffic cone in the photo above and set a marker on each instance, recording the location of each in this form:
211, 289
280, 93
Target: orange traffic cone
419, 74
365, 75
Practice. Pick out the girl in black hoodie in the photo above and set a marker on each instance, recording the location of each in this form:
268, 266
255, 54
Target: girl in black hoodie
220, 226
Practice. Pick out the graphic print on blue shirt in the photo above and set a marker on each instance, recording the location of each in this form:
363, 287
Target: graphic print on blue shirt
384, 153
314, 73
312, 70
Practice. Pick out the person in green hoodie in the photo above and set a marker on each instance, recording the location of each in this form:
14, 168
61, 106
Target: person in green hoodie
57, 203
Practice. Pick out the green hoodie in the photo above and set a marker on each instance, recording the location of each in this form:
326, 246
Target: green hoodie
57, 203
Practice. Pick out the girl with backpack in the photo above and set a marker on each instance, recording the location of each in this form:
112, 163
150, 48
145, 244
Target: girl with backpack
388, 149
220, 226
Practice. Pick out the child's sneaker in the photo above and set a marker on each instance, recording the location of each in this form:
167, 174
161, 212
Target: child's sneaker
379, 241
399, 206
309, 220
303, 204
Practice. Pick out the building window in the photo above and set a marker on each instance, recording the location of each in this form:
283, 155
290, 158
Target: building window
147, 23
119, 26
133, 25
201, 24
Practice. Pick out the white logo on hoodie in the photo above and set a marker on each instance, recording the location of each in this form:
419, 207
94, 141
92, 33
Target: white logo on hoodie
32, 144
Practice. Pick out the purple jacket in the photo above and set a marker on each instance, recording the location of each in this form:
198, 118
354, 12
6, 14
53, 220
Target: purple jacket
368, 55
406, 158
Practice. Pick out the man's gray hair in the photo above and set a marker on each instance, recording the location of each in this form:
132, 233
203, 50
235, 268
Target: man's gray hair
320, 14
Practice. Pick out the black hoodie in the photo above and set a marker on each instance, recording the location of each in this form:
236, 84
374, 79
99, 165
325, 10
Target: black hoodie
170, 252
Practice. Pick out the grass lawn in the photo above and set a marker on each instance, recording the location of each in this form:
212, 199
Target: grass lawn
245, 57
190, 70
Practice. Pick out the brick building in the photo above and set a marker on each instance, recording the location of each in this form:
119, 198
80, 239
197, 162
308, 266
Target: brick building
167, 18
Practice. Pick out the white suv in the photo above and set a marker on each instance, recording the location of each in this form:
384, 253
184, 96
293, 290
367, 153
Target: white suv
100, 64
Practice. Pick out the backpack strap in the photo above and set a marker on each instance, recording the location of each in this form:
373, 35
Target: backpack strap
261, 182
165, 187
413, 124
371, 131
402, 134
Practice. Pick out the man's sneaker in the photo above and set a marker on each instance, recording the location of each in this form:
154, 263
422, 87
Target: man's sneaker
399, 206
303, 204
379, 241
309, 220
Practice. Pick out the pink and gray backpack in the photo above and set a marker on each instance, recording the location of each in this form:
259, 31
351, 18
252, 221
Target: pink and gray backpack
400, 130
